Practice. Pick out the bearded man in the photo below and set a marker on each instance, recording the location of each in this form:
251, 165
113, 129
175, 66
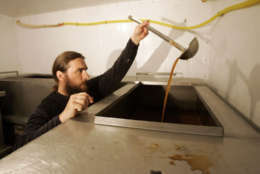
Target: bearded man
74, 91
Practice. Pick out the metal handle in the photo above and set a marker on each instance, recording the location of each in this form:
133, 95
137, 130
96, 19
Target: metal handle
8, 72
156, 73
161, 35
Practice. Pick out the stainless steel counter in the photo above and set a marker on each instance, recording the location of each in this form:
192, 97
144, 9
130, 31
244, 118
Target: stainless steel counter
4, 149
80, 146
2, 93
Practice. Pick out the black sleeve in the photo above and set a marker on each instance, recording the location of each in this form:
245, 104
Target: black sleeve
34, 129
106, 83
39, 123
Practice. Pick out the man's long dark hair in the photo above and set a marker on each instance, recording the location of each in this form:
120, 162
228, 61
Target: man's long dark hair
61, 64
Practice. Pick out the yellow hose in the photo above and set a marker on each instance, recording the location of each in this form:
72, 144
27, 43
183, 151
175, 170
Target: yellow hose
244, 4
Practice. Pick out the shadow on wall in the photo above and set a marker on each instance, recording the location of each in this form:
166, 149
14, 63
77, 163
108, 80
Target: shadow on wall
252, 83
158, 56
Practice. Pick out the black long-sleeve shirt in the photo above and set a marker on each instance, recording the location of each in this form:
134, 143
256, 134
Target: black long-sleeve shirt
46, 115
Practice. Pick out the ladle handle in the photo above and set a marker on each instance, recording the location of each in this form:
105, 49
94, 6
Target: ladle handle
161, 35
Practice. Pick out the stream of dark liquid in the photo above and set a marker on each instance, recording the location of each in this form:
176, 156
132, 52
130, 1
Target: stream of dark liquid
168, 88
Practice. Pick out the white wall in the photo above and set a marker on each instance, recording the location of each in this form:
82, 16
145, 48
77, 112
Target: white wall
234, 60
8, 45
102, 44
227, 58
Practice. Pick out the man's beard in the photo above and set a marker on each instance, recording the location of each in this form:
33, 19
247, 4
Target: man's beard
72, 89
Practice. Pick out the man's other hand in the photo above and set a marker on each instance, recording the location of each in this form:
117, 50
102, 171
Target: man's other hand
77, 102
140, 32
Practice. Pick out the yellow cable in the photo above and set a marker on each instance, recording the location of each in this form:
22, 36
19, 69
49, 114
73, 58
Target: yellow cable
95, 23
244, 4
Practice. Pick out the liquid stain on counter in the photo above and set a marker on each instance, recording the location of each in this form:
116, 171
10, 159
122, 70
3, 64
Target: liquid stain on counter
153, 147
196, 162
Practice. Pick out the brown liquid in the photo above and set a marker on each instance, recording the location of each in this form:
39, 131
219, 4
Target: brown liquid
197, 162
168, 88
153, 147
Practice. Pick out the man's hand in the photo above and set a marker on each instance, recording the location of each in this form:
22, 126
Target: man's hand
77, 102
140, 32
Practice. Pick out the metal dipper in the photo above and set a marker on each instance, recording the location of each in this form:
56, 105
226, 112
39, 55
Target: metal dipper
186, 52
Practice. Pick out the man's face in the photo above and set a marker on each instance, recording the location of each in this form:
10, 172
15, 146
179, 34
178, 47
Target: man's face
76, 76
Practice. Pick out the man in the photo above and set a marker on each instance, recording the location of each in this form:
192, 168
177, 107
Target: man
74, 91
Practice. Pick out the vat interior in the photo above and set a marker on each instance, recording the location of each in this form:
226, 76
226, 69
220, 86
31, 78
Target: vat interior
145, 102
